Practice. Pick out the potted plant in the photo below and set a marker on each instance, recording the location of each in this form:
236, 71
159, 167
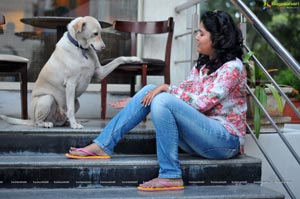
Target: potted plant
286, 77
261, 86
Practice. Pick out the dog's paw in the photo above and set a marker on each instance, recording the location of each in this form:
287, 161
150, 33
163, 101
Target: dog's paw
134, 59
76, 125
44, 124
49, 125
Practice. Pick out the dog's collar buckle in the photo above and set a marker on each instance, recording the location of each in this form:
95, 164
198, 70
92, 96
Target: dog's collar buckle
73, 41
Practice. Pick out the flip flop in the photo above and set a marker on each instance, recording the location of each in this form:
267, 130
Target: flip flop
165, 186
89, 155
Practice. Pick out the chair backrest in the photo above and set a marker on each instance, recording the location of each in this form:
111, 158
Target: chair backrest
147, 27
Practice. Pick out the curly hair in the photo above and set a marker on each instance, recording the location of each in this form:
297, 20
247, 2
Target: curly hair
226, 37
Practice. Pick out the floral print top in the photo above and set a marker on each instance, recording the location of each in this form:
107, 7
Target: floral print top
220, 95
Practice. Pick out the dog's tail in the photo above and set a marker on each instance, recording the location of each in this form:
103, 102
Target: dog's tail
12, 120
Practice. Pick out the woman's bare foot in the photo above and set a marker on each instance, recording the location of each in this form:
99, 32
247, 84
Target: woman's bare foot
163, 183
93, 148
120, 103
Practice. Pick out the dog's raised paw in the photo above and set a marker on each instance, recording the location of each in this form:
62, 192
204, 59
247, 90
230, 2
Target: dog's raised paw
135, 59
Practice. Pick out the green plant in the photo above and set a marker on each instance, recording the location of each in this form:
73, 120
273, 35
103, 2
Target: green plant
258, 81
286, 77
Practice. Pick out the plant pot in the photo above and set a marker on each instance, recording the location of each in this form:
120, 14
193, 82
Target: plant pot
288, 111
272, 107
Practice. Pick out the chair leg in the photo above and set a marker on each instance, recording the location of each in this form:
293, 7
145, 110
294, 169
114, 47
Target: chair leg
103, 98
167, 76
23, 74
132, 86
144, 74
144, 79
167, 79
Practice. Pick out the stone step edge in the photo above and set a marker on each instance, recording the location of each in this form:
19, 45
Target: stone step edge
247, 191
59, 160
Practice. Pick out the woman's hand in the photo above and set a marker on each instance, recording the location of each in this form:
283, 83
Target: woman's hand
146, 101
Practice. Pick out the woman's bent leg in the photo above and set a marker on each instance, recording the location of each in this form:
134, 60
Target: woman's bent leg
166, 136
177, 123
130, 116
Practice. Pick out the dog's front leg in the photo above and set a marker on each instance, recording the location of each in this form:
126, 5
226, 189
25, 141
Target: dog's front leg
70, 100
103, 71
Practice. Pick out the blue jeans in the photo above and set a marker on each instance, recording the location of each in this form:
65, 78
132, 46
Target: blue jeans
176, 124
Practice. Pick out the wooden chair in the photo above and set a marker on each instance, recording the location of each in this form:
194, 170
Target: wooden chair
11, 65
149, 66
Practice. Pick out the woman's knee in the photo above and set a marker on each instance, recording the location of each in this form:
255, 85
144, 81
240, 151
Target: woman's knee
161, 100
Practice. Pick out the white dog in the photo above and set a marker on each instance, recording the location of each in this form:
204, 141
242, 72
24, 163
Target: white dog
67, 74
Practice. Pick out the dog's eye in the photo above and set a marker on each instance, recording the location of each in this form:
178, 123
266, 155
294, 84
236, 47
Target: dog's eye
95, 34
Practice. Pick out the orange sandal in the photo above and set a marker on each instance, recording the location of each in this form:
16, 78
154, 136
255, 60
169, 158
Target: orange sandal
162, 186
89, 155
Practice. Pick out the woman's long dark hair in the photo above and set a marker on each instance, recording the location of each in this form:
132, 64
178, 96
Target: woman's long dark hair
226, 40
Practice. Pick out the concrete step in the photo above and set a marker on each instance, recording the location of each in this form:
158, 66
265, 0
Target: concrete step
248, 191
20, 138
56, 171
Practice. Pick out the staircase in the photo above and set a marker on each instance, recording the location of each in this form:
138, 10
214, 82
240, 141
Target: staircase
33, 165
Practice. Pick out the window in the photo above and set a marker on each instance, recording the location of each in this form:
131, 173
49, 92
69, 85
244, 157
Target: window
37, 44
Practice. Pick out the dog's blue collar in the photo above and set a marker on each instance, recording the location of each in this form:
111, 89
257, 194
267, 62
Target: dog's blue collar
73, 41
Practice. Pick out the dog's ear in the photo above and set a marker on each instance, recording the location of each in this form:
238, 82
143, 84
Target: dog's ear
79, 26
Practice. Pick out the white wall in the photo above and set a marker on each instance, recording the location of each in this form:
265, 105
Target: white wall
161, 10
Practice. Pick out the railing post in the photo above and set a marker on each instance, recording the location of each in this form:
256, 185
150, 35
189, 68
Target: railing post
195, 25
243, 28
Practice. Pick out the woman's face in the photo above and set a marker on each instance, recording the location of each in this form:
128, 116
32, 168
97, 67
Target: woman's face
204, 43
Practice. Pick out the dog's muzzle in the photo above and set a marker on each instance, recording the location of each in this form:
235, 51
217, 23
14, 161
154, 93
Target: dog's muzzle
102, 47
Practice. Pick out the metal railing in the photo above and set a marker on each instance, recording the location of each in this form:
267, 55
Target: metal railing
282, 53
271, 40
271, 163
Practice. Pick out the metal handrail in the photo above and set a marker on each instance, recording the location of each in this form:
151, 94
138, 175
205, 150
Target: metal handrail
183, 34
278, 131
283, 138
282, 53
